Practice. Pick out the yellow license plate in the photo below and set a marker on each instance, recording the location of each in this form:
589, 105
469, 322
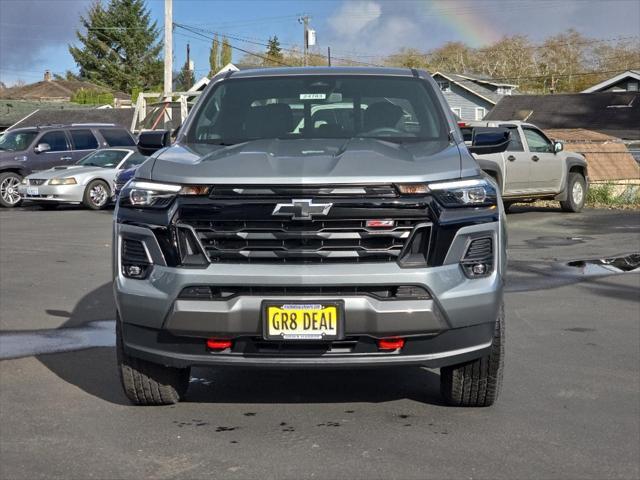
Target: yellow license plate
302, 321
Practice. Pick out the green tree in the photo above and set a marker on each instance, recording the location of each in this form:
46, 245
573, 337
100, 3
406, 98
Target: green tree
119, 46
225, 54
185, 79
214, 55
274, 53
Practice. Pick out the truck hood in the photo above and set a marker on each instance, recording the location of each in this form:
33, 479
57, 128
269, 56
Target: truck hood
269, 161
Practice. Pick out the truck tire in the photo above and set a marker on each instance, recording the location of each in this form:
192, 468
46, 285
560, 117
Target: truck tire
96, 195
576, 193
146, 383
9, 182
476, 383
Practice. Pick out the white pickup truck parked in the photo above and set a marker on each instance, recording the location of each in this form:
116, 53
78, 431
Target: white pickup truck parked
534, 167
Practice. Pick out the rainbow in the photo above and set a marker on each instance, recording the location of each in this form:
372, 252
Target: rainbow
470, 27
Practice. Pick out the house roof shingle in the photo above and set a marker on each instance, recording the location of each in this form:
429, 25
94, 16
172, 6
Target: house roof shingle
612, 113
119, 116
472, 86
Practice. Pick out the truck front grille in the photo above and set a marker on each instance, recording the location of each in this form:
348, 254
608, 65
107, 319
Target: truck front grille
362, 224
302, 241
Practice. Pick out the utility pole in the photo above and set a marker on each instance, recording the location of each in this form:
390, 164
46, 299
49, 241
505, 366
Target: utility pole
329, 56
188, 67
304, 20
168, 46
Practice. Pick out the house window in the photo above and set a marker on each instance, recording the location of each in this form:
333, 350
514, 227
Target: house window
445, 85
500, 90
457, 111
632, 86
480, 113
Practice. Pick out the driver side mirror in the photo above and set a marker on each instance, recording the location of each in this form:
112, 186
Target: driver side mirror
151, 141
42, 147
487, 140
558, 147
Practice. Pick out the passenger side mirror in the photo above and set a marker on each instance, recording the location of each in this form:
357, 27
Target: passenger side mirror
558, 147
151, 141
487, 140
42, 147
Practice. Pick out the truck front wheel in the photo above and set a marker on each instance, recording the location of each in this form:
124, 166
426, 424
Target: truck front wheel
576, 193
147, 383
476, 383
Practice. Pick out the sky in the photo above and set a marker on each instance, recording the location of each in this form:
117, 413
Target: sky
34, 34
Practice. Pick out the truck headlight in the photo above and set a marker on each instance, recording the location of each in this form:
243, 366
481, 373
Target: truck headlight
143, 193
473, 192
63, 181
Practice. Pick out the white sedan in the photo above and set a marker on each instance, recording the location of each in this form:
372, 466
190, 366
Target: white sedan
89, 182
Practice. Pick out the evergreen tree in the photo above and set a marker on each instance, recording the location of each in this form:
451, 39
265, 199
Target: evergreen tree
120, 48
274, 52
214, 55
185, 79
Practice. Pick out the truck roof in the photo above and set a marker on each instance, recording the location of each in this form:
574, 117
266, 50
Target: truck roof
292, 71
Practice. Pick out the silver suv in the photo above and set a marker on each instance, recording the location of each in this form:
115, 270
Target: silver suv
277, 233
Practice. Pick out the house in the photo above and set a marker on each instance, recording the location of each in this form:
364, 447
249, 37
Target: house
628, 81
54, 90
61, 115
471, 96
612, 113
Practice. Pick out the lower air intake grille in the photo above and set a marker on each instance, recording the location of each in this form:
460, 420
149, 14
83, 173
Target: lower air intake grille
479, 249
393, 292
133, 252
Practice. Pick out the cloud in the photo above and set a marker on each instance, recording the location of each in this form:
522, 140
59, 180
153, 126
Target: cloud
33, 32
378, 28
353, 17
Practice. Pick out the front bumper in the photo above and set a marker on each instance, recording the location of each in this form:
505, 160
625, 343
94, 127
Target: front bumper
53, 193
454, 325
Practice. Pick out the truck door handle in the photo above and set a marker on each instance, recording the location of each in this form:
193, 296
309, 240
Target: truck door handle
66, 158
511, 158
535, 158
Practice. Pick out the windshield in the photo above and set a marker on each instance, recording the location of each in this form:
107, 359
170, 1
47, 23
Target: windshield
16, 141
399, 109
104, 158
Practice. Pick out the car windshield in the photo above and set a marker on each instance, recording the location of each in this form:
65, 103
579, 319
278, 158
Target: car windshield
16, 141
398, 109
104, 158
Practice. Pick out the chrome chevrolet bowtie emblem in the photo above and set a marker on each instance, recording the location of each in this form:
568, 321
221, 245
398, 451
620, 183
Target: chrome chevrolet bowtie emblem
302, 209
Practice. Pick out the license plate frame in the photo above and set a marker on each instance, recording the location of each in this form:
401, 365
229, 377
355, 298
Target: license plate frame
310, 337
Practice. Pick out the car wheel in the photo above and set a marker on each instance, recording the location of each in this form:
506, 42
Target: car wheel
9, 196
576, 193
147, 383
476, 383
96, 195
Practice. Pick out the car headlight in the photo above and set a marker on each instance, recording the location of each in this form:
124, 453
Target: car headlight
473, 192
142, 193
24, 181
63, 181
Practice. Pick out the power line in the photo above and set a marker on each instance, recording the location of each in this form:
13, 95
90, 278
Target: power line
234, 47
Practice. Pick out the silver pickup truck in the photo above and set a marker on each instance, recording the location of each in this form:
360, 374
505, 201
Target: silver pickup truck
534, 168
368, 237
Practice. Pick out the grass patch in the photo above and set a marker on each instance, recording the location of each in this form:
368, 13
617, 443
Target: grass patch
607, 195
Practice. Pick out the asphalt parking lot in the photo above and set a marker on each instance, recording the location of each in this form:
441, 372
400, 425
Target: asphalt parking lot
570, 406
